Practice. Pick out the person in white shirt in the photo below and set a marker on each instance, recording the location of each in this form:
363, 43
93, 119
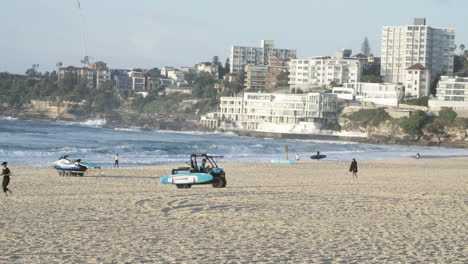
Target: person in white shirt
116, 160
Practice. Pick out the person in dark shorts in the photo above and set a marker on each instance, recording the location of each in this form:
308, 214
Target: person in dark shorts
353, 168
116, 160
6, 178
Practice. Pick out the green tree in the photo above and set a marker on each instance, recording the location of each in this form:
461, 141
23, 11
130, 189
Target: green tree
413, 125
227, 67
365, 47
204, 85
371, 79
433, 86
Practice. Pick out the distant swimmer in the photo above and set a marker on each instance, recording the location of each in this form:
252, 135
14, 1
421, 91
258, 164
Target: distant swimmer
6, 173
353, 168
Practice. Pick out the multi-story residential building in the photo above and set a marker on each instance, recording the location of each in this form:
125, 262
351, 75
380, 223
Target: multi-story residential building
377, 93
278, 73
417, 81
323, 72
121, 79
266, 77
404, 46
451, 92
241, 56
256, 77
165, 70
102, 75
103, 79
137, 80
71, 76
254, 111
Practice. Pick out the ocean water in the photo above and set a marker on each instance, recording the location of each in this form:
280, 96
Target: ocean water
40, 143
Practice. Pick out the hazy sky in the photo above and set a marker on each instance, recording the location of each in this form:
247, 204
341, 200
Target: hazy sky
154, 33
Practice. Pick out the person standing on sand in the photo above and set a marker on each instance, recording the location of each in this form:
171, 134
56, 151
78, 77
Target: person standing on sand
297, 157
6, 178
353, 168
116, 160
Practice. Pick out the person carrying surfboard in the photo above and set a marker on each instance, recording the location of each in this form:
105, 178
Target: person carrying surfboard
353, 168
318, 155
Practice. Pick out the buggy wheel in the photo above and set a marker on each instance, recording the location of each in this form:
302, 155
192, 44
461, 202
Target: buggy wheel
219, 182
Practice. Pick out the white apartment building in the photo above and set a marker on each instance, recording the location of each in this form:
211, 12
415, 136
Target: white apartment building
404, 46
321, 72
138, 80
241, 56
417, 81
377, 93
253, 111
451, 92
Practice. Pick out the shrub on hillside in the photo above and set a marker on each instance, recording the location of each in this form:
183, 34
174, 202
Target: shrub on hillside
372, 117
447, 113
413, 125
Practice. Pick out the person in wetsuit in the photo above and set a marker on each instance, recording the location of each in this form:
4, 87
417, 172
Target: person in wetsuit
6, 178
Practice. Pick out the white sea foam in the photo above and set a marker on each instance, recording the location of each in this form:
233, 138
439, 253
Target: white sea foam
8, 118
94, 122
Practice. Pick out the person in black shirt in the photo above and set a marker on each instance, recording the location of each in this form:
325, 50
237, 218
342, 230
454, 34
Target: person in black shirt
353, 168
6, 178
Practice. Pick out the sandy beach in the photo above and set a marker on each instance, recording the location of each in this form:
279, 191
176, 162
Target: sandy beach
399, 211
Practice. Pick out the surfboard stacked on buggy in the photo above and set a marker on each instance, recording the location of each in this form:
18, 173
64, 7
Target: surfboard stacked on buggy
185, 177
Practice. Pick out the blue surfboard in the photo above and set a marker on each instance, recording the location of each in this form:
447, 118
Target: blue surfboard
318, 157
91, 165
283, 161
186, 178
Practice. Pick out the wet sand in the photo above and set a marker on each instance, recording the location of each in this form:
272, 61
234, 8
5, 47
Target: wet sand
398, 211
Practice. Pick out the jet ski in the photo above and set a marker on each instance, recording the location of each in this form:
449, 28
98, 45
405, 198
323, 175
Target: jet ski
73, 168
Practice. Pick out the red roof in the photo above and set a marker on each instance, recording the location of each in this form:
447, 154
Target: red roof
417, 66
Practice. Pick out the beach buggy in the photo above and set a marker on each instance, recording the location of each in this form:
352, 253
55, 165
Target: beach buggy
203, 170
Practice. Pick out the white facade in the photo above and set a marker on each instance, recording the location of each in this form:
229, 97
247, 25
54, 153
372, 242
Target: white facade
252, 111
138, 81
377, 93
417, 81
241, 56
403, 46
451, 92
306, 74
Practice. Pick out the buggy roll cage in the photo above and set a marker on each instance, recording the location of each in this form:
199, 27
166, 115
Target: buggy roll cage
209, 157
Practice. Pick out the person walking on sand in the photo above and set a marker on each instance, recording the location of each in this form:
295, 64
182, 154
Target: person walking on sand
353, 168
6, 178
116, 160
297, 157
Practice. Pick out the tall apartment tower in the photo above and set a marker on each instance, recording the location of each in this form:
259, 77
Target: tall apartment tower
241, 56
405, 46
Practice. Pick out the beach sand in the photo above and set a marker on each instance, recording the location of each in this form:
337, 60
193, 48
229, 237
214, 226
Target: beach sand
398, 211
